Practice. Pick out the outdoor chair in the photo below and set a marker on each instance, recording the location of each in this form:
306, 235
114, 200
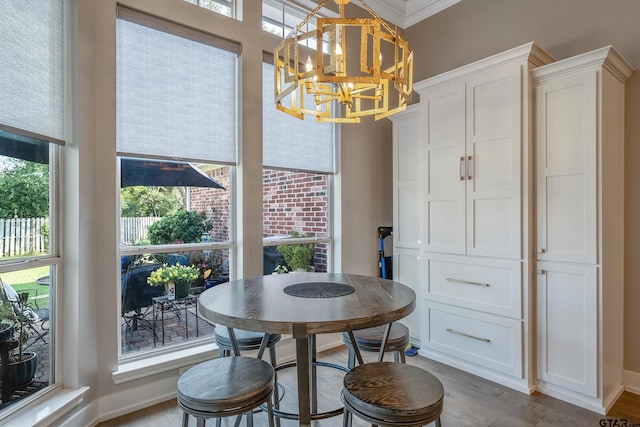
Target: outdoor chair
137, 297
173, 259
34, 318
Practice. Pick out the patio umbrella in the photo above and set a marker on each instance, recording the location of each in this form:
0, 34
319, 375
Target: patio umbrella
163, 173
23, 147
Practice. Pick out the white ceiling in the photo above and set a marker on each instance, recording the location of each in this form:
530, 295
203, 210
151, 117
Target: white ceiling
405, 13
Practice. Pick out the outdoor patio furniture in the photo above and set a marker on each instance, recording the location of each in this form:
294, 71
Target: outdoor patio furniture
137, 297
33, 317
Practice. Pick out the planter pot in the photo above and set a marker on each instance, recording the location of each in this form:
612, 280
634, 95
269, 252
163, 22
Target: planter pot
6, 331
309, 269
23, 371
210, 283
177, 290
182, 290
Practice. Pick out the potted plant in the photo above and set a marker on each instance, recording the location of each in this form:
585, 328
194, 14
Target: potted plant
214, 269
6, 323
298, 257
22, 364
177, 279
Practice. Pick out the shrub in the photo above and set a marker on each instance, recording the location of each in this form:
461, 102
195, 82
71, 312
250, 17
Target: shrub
180, 227
298, 256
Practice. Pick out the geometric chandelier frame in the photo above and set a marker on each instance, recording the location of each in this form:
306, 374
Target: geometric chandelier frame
362, 85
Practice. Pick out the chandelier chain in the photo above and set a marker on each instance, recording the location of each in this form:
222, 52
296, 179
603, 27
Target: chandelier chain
313, 13
375, 15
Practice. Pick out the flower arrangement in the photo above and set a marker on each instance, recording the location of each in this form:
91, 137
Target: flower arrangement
177, 274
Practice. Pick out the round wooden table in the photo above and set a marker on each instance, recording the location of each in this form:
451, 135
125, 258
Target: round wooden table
305, 304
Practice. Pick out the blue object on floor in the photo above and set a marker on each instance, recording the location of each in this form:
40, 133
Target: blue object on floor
412, 351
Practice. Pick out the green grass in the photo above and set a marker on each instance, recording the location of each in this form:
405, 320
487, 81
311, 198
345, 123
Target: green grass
25, 280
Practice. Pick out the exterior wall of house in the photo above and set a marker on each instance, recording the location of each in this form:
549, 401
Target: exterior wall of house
216, 207
291, 201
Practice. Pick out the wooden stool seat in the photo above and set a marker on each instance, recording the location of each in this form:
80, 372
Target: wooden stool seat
392, 394
225, 387
247, 340
370, 340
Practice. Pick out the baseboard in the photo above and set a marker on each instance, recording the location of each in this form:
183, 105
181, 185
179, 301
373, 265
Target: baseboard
518, 384
631, 381
592, 404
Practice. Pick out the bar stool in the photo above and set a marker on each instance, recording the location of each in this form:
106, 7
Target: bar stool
370, 340
224, 387
248, 341
391, 394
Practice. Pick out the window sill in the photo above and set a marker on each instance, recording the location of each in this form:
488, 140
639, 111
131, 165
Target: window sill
144, 367
52, 406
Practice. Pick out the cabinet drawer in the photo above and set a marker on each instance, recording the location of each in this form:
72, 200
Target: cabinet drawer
490, 285
489, 341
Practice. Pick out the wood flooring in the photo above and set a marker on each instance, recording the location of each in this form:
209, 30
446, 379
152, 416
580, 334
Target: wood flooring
469, 401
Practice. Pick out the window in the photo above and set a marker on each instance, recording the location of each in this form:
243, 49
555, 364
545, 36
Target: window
31, 136
298, 157
223, 7
176, 141
280, 17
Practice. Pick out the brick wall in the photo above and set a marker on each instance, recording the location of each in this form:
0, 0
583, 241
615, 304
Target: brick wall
214, 203
296, 201
291, 201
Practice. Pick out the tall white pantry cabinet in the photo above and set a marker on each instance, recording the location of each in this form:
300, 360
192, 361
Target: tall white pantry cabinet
481, 226
579, 121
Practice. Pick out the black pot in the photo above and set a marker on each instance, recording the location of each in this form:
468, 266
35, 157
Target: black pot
22, 372
210, 283
6, 331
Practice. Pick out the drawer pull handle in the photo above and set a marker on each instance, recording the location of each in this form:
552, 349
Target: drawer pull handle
453, 331
468, 282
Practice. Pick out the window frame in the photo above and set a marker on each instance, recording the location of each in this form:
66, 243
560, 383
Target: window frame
230, 244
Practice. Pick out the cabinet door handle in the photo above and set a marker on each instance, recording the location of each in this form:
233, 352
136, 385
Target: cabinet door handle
462, 334
468, 282
461, 168
470, 168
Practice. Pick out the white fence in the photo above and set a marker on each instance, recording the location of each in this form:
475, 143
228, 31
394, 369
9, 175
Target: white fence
27, 236
133, 230
22, 236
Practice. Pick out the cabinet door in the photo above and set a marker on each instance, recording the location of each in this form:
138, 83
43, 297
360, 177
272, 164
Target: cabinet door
406, 175
406, 270
567, 326
444, 195
493, 149
566, 121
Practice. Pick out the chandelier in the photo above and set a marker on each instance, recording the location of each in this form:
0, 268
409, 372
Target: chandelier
312, 67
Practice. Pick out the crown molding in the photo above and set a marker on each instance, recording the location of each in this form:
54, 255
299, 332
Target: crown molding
405, 13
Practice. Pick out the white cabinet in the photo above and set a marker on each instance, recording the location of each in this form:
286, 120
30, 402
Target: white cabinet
407, 170
407, 173
476, 218
566, 114
567, 323
579, 117
472, 196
